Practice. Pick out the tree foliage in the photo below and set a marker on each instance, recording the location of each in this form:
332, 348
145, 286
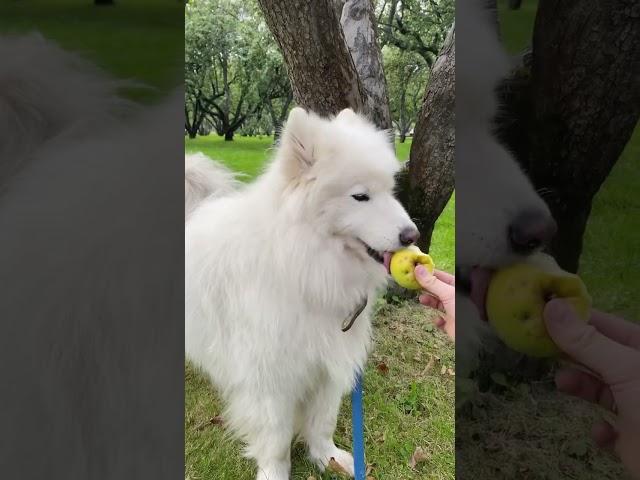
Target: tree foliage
418, 26
233, 69
236, 79
411, 33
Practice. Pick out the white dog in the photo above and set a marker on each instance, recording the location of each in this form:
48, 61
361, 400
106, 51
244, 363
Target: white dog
501, 219
276, 270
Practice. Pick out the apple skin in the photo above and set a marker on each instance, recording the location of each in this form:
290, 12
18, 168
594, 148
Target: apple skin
516, 299
403, 264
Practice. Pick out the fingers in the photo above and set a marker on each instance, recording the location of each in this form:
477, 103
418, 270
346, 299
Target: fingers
612, 361
616, 328
445, 277
430, 301
432, 284
581, 384
604, 435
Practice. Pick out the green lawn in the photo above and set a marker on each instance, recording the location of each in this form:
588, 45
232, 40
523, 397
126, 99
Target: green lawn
137, 39
408, 404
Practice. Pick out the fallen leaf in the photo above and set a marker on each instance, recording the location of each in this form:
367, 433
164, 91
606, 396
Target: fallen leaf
216, 421
382, 368
443, 370
335, 467
429, 365
451, 372
418, 456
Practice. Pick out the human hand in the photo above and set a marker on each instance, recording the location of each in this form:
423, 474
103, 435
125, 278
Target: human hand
440, 293
610, 348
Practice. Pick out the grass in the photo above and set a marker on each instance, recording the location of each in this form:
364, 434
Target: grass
409, 400
530, 431
136, 39
610, 262
408, 403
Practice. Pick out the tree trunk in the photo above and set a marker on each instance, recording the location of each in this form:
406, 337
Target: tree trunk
322, 73
228, 135
577, 109
428, 179
359, 26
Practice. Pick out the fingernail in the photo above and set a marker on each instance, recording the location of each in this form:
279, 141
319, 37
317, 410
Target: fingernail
421, 272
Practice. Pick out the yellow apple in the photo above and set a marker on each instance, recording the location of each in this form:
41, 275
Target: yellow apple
516, 299
403, 263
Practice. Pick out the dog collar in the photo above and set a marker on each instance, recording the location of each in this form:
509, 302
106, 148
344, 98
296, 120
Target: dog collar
349, 321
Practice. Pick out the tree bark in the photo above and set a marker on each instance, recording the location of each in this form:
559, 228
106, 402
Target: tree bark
359, 26
322, 73
577, 110
428, 179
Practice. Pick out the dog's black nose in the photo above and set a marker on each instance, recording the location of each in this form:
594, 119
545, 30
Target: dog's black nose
409, 235
531, 229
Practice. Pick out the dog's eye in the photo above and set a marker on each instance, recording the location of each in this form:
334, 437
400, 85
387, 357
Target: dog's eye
360, 197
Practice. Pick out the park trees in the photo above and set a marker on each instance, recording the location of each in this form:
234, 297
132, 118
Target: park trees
571, 107
232, 68
332, 51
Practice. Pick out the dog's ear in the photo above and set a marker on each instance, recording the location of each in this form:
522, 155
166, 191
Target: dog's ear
297, 142
348, 116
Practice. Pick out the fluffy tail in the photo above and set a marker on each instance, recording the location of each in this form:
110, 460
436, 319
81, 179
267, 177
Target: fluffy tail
47, 92
203, 178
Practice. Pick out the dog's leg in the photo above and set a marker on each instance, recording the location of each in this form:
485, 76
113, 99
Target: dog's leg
267, 427
319, 424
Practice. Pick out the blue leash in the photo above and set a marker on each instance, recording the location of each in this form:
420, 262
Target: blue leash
357, 420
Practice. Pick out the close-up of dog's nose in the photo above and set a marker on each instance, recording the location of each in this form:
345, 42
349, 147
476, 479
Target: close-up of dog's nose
409, 235
531, 229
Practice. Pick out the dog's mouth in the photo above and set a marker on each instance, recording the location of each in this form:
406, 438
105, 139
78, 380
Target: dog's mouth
474, 282
381, 257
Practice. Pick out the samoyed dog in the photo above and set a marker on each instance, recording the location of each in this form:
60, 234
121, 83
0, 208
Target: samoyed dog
500, 217
277, 271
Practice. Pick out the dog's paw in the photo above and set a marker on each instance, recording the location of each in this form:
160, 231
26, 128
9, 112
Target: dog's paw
275, 472
342, 458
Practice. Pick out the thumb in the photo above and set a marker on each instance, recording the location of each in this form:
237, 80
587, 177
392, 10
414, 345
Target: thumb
585, 344
433, 285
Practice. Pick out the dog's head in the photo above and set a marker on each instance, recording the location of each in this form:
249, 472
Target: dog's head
500, 218
340, 175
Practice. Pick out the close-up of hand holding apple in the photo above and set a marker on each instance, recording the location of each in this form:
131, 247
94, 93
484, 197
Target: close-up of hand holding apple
439, 293
609, 347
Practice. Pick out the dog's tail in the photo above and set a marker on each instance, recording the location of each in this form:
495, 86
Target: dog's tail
203, 178
47, 92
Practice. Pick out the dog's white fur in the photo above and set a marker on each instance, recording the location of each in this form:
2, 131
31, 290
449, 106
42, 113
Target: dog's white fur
47, 95
274, 269
491, 188
83, 198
